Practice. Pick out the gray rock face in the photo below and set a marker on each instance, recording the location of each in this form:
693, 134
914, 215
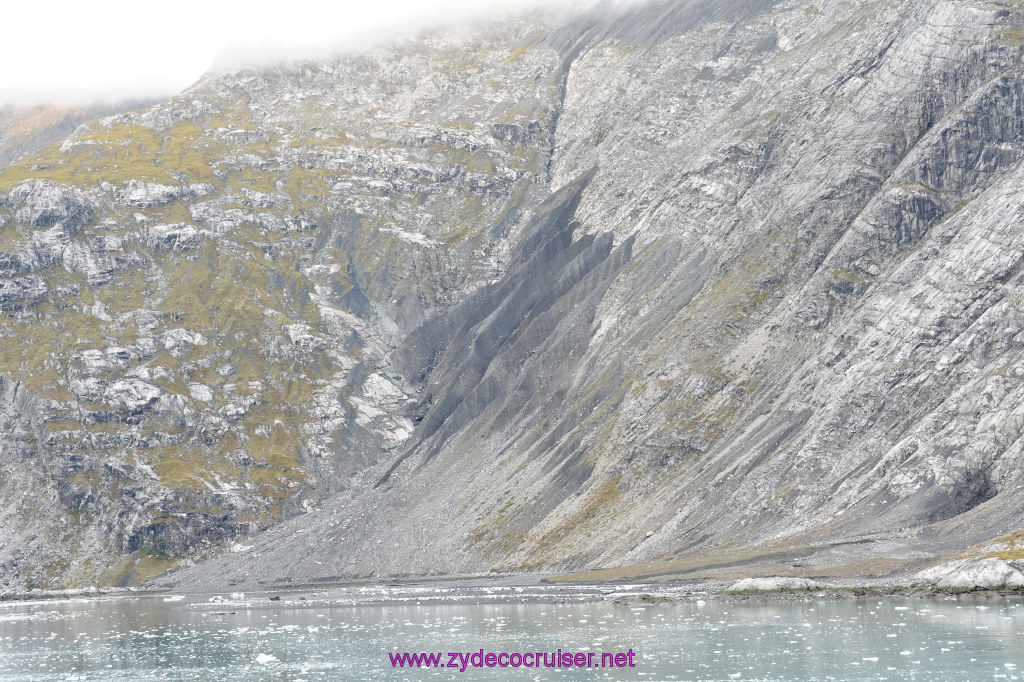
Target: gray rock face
590, 291
773, 584
43, 204
18, 292
804, 334
479, 356
149, 194
175, 237
975, 573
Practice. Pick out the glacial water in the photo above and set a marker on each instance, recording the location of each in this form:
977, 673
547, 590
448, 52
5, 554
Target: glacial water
347, 634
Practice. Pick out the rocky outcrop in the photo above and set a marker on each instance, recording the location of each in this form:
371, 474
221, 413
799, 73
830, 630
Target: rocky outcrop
18, 292
174, 237
149, 194
44, 204
968, 574
773, 584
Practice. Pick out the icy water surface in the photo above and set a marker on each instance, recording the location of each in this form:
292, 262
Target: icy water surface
347, 634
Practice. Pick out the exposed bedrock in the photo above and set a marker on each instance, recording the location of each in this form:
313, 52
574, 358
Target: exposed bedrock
633, 287
772, 304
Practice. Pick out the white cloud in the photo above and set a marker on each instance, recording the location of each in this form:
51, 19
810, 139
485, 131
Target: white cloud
82, 52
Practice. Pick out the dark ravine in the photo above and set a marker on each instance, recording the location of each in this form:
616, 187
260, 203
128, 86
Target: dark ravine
633, 292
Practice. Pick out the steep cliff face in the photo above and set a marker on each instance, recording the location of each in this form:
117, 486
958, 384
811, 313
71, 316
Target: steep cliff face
200, 298
770, 302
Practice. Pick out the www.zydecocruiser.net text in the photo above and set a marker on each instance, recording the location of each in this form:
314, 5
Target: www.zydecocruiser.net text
463, 660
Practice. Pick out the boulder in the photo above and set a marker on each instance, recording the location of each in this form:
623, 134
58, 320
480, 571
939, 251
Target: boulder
990, 573
773, 583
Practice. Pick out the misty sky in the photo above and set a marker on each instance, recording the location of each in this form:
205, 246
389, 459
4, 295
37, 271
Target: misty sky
83, 52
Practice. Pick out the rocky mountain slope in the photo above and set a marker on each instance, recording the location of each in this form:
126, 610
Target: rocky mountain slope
27, 130
719, 279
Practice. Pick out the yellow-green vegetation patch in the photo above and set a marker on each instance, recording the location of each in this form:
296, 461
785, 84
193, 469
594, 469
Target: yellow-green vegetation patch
67, 575
137, 567
119, 153
278, 470
254, 180
232, 118
1006, 547
1011, 36
56, 571
274, 484
698, 565
852, 276
62, 425
279, 450
480, 161
174, 212
127, 293
223, 298
525, 46
600, 501
191, 467
309, 183
90, 478
29, 352
12, 238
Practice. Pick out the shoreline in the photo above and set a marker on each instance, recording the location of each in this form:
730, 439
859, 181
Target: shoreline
522, 589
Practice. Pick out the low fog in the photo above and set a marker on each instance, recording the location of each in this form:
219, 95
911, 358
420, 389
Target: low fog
76, 54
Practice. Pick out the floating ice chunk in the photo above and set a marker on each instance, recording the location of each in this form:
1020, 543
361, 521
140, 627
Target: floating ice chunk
263, 659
